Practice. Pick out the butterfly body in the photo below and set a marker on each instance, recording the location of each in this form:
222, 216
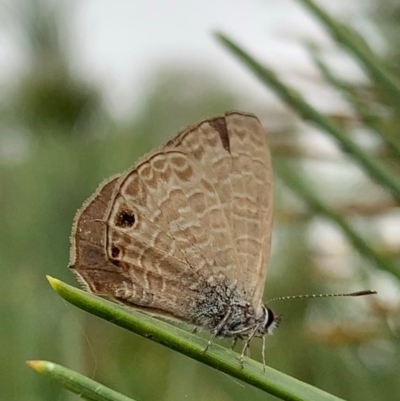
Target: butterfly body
222, 307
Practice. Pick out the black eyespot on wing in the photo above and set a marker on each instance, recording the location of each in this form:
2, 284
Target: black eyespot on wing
115, 251
125, 219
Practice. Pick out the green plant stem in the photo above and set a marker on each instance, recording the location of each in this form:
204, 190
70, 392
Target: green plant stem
376, 170
271, 381
77, 383
319, 207
361, 109
352, 42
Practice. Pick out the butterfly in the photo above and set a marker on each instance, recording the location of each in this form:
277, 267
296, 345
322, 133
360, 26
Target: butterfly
186, 232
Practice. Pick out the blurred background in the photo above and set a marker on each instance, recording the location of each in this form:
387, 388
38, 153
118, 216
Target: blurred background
89, 86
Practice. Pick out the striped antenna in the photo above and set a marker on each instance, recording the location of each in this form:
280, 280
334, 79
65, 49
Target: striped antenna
350, 294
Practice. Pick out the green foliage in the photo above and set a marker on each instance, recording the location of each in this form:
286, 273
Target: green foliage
384, 87
70, 144
271, 381
83, 386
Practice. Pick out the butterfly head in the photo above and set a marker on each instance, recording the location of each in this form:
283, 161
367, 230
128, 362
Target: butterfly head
269, 322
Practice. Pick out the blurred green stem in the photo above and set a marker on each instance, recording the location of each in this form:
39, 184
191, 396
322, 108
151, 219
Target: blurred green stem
368, 118
296, 185
373, 167
352, 42
75, 382
270, 381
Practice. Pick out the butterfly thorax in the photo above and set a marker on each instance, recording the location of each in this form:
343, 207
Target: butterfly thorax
223, 307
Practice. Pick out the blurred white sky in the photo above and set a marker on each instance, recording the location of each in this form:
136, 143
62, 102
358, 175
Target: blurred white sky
119, 43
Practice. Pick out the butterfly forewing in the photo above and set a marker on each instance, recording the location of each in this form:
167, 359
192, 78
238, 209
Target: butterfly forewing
252, 200
233, 154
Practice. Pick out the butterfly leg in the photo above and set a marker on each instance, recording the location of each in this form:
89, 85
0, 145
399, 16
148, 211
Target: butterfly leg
245, 349
235, 340
246, 345
217, 329
195, 330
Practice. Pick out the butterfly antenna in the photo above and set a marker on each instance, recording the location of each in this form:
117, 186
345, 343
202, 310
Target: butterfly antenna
350, 294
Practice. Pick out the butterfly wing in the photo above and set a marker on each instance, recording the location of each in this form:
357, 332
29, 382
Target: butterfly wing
167, 228
97, 272
200, 205
87, 257
252, 189
232, 153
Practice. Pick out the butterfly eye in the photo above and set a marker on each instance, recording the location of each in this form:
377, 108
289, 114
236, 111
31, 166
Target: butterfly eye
125, 219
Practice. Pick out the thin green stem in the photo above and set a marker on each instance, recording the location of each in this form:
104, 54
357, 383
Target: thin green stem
361, 109
375, 169
352, 42
271, 381
319, 207
77, 383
